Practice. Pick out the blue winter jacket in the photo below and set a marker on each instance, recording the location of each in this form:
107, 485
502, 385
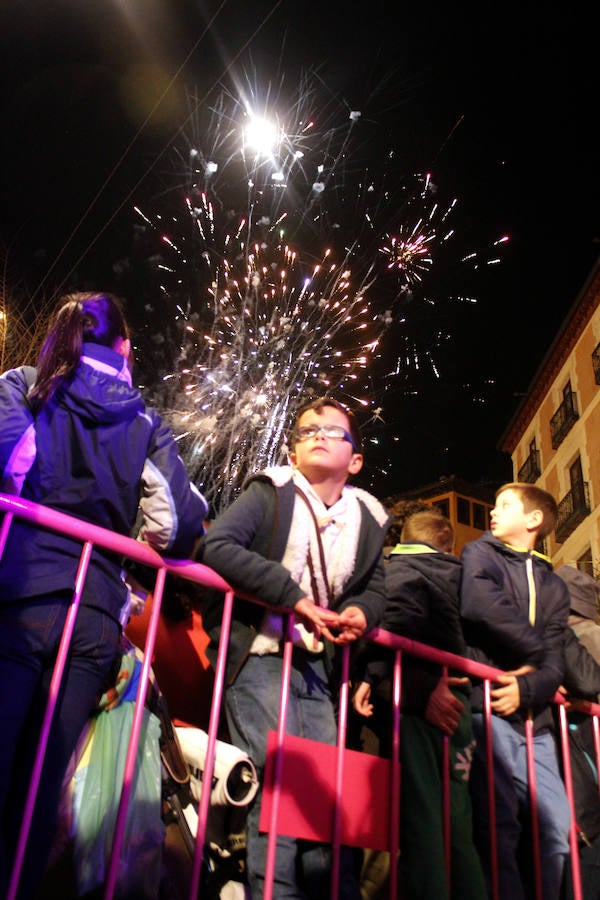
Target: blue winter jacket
96, 453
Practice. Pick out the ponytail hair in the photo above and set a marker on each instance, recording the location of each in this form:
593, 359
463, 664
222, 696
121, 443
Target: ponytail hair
82, 317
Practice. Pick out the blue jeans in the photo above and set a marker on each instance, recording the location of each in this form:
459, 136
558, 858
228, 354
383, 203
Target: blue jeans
252, 707
512, 802
30, 633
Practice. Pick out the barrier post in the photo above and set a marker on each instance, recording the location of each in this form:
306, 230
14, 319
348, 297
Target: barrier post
395, 774
446, 799
339, 772
568, 777
134, 739
57, 674
278, 767
533, 805
489, 751
213, 727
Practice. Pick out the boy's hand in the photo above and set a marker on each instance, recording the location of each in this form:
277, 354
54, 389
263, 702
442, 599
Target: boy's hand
507, 699
351, 625
316, 619
361, 699
444, 709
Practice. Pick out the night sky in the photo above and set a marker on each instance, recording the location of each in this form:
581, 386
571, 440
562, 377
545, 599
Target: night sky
499, 107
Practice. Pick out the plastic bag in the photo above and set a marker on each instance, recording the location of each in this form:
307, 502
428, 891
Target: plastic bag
97, 791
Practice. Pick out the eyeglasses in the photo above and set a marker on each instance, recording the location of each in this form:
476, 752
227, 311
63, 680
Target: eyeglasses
334, 432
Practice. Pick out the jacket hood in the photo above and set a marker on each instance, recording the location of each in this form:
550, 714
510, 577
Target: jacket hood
443, 569
423, 587
100, 396
584, 591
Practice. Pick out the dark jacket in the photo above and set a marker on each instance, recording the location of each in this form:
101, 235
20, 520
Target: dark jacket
582, 671
94, 452
246, 544
582, 679
584, 591
495, 602
422, 603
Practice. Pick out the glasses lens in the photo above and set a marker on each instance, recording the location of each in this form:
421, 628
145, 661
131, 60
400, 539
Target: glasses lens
306, 432
335, 432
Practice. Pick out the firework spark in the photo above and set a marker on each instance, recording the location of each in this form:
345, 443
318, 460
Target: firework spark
267, 330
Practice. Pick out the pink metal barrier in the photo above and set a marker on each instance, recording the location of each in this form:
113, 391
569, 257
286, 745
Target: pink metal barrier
90, 536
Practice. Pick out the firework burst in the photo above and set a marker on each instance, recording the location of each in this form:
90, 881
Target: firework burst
283, 263
255, 320
269, 331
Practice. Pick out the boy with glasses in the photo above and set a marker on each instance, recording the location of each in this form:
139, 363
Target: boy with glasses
298, 536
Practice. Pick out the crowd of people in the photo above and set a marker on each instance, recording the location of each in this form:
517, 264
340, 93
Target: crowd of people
77, 437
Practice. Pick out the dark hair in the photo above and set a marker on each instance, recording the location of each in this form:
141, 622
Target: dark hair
81, 317
318, 406
430, 527
533, 497
400, 511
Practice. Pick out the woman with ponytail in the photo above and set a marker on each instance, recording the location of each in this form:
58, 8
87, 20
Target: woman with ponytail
77, 437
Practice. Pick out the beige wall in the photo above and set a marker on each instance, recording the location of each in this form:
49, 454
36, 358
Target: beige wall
583, 440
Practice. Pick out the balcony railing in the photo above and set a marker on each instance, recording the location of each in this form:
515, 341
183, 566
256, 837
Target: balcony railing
530, 470
572, 510
563, 420
596, 363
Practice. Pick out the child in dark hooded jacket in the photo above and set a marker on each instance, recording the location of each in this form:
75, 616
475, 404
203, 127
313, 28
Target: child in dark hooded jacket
515, 610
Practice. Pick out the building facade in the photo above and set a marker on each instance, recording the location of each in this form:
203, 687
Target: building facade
554, 437
466, 505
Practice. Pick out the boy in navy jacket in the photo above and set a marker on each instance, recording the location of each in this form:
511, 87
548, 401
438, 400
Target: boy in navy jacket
515, 612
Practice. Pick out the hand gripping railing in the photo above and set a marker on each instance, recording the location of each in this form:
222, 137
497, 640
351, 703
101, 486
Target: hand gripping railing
90, 535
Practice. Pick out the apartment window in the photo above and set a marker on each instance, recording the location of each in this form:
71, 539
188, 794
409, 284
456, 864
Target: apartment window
586, 562
463, 511
530, 470
577, 483
444, 506
596, 363
575, 505
480, 516
565, 417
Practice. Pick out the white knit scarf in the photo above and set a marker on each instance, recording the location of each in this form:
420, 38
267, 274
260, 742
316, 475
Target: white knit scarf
340, 554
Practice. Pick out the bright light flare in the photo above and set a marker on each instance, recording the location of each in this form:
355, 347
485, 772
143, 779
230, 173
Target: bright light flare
261, 136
